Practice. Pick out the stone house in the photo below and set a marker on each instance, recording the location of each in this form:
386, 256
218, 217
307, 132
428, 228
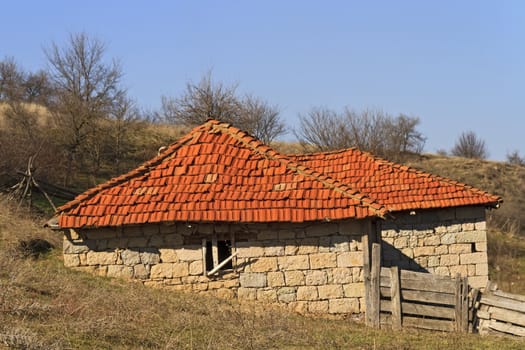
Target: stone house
220, 211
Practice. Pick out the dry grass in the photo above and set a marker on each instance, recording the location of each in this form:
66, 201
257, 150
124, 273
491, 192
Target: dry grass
46, 306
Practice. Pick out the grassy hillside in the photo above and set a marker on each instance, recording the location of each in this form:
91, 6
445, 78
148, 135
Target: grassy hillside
46, 306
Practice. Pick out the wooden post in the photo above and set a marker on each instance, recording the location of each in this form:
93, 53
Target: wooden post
366, 277
464, 305
458, 313
374, 285
214, 250
204, 257
395, 295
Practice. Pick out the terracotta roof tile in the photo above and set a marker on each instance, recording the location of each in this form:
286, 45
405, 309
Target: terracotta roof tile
395, 186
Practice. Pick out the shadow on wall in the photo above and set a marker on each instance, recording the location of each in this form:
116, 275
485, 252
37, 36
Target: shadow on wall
394, 257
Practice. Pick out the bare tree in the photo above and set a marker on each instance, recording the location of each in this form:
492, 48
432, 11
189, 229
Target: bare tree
469, 145
11, 80
515, 158
86, 90
208, 99
260, 119
369, 130
323, 129
202, 101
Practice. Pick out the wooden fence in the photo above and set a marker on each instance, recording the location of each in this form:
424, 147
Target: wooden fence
399, 298
499, 312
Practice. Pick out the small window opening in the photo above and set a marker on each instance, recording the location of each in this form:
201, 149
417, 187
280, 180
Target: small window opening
224, 250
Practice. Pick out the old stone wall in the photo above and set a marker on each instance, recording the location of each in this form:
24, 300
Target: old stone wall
444, 242
315, 268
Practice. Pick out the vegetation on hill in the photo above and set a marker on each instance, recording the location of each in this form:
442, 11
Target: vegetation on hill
43, 305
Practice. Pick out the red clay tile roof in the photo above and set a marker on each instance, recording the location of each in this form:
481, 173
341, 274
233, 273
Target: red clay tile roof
218, 173
397, 187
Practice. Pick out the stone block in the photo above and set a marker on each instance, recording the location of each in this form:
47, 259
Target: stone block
168, 255
467, 226
478, 281
263, 264
458, 269
432, 240
291, 248
442, 270
267, 235
130, 257
460, 248
308, 246
339, 244
101, 258
423, 251
253, 280
189, 253
356, 245
350, 259
195, 267
330, 291
448, 238
286, 294
294, 278
138, 242
267, 295
480, 225
162, 270
225, 294
358, 274
401, 242
307, 293
471, 270
274, 250
472, 237
298, 262
473, 258
341, 275
287, 234
173, 240
167, 228
480, 246
247, 250
140, 272
247, 293
71, 260
323, 260
324, 229
449, 260
315, 277
156, 241
120, 271
343, 306
318, 307
132, 231
300, 307
149, 256
181, 269
69, 247
433, 261
441, 249
275, 279
354, 290
408, 252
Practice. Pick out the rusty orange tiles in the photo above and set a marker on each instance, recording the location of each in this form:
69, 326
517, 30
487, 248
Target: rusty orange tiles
220, 173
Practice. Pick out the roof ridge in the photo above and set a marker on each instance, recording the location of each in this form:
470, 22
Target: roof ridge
326, 180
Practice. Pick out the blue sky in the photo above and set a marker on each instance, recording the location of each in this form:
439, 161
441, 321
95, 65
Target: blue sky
458, 65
